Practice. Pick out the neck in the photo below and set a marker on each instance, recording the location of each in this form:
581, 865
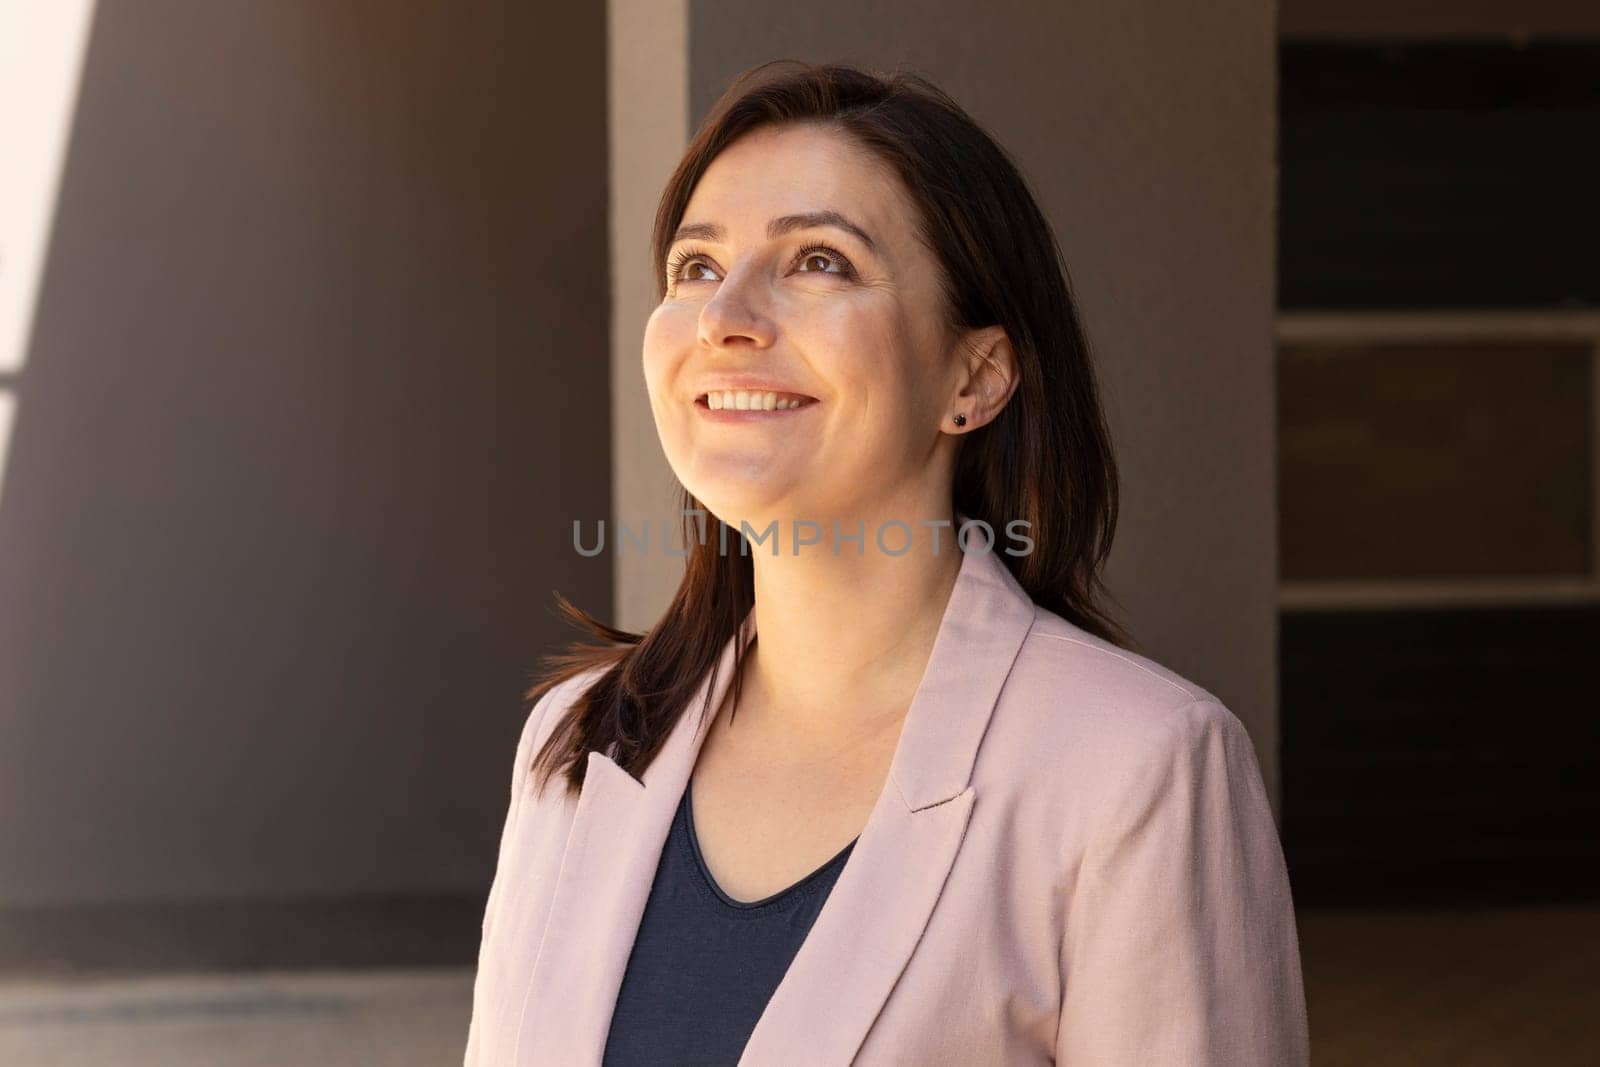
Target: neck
844, 637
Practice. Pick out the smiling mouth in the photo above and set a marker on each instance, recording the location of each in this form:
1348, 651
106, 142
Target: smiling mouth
751, 400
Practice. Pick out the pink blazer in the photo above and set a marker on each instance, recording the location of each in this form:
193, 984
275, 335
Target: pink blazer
1072, 861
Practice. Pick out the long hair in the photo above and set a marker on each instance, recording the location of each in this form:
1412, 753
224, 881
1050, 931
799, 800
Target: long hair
1046, 458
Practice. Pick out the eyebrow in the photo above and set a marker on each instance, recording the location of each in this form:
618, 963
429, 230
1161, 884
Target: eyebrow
710, 231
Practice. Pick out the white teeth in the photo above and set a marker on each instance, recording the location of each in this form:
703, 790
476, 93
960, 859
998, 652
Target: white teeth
744, 400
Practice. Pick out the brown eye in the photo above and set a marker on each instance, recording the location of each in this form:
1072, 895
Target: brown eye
820, 259
682, 263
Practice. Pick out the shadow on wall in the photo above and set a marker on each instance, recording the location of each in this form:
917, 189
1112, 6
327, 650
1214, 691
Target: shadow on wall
280, 526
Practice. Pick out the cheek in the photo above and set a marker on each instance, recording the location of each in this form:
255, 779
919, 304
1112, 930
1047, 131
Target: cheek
879, 358
669, 337
859, 346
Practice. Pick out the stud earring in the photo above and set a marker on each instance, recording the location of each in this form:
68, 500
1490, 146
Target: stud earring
961, 420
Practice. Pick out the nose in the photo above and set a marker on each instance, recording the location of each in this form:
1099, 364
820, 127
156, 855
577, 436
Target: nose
735, 315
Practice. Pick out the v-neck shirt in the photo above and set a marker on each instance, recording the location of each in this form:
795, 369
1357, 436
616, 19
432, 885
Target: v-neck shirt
704, 965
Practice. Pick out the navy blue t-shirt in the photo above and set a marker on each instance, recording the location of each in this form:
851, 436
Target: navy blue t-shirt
704, 965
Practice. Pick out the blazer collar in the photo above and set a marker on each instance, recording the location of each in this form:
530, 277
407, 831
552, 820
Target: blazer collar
878, 907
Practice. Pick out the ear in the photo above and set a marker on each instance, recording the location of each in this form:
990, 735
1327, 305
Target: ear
990, 377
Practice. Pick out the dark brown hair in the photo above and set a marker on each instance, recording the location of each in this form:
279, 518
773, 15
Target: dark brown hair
1046, 458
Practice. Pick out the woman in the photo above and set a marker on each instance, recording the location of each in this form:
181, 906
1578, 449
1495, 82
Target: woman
955, 820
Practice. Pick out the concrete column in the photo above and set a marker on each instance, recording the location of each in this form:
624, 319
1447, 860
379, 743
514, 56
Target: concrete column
649, 129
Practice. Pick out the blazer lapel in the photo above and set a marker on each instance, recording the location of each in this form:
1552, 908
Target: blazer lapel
618, 831
874, 916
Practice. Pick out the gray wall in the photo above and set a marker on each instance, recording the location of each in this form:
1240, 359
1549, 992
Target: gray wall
1148, 129
318, 380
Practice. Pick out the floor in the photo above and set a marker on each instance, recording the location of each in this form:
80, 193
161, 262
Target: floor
1463, 988
405, 1018
1468, 988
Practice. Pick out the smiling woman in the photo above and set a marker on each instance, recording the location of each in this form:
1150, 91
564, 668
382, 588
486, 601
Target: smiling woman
960, 821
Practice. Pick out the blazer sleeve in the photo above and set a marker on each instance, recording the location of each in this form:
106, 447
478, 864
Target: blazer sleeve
1181, 944
520, 786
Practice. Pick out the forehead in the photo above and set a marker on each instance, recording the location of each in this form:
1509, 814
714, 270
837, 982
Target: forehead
775, 171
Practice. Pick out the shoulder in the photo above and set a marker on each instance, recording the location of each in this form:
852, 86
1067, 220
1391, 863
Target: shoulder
1060, 651
1085, 717
553, 705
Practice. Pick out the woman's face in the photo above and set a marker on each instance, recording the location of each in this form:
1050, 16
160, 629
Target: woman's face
797, 269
